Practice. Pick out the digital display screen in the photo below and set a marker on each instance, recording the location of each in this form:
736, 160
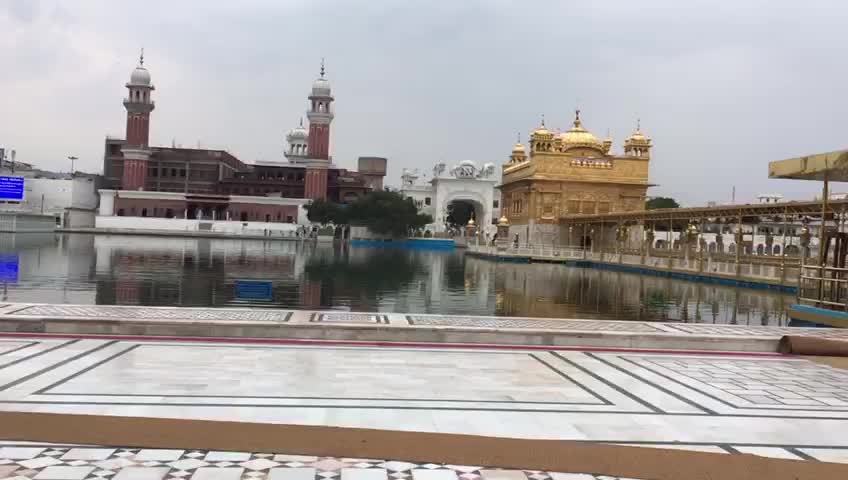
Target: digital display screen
11, 188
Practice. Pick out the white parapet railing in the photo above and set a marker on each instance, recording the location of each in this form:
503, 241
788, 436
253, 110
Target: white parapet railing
539, 251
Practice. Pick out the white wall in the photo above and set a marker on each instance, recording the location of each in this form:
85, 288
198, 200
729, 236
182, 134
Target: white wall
188, 225
52, 196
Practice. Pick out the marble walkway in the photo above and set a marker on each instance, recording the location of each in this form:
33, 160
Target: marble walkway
69, 462
280, 318
774, 406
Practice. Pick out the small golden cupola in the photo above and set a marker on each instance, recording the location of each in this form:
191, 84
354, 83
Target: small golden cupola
578, 137
607, 143
518, 153
541, 139
638, 144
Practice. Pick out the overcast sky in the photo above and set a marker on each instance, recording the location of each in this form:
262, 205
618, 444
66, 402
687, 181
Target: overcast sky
722, 87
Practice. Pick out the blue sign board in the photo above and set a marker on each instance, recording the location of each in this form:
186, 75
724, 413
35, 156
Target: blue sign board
254, 290
8, 267
12, 188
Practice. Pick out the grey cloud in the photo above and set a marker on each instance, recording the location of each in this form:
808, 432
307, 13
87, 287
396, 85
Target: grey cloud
721, 87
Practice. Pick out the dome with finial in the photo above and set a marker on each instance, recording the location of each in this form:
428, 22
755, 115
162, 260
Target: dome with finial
518, 148
577, 137
637, 137
541, 130
321, 86
297, 133
503, 222
140, 76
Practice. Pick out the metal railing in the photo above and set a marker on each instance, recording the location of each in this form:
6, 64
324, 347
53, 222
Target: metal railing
823, 286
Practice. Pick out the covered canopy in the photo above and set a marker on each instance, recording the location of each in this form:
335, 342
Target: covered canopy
832, 166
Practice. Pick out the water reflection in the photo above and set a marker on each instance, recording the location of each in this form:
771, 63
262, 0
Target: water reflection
129, 270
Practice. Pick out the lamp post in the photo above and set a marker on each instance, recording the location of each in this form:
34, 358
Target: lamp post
72, 159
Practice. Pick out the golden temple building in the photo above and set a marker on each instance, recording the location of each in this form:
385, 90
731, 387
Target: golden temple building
571, 173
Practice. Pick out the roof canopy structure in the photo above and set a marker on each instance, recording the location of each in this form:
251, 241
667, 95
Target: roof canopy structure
831, 166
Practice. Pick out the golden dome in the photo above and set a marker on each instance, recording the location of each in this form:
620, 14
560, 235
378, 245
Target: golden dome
577, 136
540, 130
637, 137
503, 222
518, 148
471, 222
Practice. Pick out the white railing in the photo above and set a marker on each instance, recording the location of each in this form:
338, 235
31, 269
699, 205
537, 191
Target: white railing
529, 251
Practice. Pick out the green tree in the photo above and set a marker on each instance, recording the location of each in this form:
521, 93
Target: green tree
661, 202
325, 212
387, 213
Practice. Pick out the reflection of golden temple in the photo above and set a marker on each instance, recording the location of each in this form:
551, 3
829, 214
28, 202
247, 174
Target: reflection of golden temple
570, 173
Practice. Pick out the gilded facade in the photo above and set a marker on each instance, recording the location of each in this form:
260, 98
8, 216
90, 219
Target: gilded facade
571, 173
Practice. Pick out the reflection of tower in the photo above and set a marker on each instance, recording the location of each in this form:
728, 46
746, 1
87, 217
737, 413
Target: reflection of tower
320, 116
139, 104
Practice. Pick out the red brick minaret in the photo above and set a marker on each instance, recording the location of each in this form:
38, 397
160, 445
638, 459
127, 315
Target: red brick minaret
139, 104
320, 116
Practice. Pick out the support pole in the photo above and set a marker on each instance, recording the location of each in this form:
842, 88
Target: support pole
822, 237
783, 252
585, 238
739, 240
670, 243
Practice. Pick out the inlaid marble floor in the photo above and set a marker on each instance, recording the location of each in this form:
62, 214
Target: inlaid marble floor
64, 462
786, 407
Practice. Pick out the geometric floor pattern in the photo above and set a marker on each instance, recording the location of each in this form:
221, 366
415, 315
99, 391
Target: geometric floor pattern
23, 461
781, 406
19, 462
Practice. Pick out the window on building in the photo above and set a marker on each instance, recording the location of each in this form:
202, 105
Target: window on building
120, 212
169, 213
173, 172
495, 203
518, 206
427, 201
143, 212
289, 219
182, 172
154, 172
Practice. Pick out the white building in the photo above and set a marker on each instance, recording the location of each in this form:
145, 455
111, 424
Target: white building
71, 201
464, 183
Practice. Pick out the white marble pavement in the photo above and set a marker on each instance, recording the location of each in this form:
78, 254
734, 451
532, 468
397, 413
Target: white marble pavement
69, 462
293, 317
782, 406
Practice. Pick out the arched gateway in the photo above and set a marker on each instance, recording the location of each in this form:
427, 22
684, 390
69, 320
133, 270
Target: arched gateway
451, 195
